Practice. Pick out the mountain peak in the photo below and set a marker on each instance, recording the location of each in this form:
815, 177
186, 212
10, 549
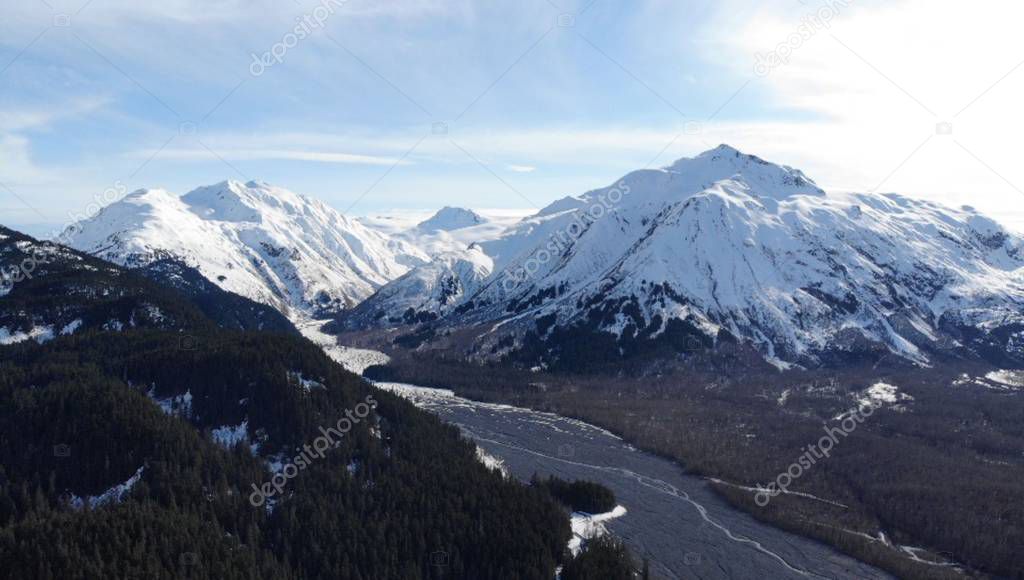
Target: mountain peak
724, 165
263, 242
147, 193
722, 149
451, 218
234, 201
228, 201
764, 178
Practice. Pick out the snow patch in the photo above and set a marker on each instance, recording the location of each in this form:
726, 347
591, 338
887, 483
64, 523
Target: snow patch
491, 462
784, 397
586, 527
40, 334
115, 494
1014, 379
178, 405
882, 395
307, 384
886, 393
114, 325
71, 327
228, 436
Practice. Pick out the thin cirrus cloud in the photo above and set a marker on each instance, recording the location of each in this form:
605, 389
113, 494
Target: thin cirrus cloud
521, 168
202, 154
351, 109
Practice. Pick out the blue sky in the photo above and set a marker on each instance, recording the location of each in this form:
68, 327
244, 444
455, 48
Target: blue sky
539, 99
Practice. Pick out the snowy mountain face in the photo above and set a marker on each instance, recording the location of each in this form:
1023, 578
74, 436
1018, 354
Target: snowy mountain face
426, 292
728, 247
454, 238
445, 231
451, 218
261, 242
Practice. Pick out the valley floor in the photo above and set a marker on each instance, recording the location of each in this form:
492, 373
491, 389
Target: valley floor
928, 487
675, 520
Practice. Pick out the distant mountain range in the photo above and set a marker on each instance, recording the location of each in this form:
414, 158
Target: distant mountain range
720, 249
265, 243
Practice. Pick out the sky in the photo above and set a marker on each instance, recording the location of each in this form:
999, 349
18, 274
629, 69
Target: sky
378, 106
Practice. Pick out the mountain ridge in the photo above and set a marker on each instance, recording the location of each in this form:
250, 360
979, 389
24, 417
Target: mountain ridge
720, 246
265, 243
727, 244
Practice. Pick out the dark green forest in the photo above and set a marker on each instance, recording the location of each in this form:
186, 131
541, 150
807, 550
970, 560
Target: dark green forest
132, 394
602, 558
78, 417
580, 496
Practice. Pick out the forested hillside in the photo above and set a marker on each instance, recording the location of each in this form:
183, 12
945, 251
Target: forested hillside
133, 446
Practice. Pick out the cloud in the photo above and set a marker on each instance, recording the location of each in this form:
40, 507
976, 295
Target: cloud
119, 13
867, 94
203, 154
521, 168
36, 117
16, 125
18, 166
856, 105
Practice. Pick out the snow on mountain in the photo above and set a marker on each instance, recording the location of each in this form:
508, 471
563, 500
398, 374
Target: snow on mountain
265, 243
726, 246
426, 292
408, 227
451, 218
459, 265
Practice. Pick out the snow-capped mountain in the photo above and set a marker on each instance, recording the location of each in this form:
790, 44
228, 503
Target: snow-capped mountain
728, 247
265, 243
450, 230
451, 218
425, 293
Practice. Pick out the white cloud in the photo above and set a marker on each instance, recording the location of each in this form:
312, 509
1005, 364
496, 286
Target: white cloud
36, 117
521, 168
828, 111
18, 166
876, 84
116, 13
202, 154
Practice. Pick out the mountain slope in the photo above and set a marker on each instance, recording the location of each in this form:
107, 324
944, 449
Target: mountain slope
130, 452
728, 247
264, 243
229, 311
48, 290
426, 293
